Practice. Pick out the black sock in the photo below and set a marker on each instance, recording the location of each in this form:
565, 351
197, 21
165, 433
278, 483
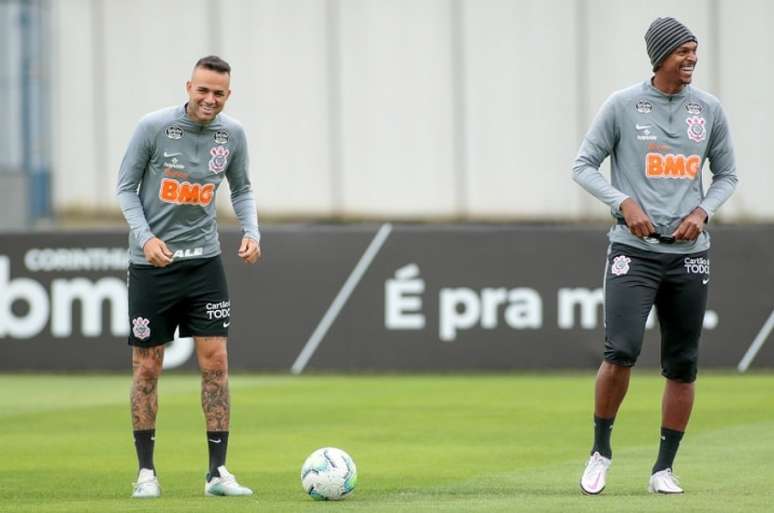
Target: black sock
667, 449
602, 430
217, 443
144, 440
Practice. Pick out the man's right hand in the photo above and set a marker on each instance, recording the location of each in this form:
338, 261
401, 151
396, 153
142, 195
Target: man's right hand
157, 253
636, 219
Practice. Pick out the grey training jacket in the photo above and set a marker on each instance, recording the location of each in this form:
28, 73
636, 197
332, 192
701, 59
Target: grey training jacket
657, 145
168, 179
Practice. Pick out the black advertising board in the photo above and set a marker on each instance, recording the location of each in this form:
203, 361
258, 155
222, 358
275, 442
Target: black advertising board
378, 297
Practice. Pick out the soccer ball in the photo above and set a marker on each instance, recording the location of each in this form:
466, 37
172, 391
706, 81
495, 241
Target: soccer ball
329, 474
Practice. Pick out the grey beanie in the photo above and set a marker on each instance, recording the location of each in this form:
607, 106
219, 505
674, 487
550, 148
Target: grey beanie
662, 38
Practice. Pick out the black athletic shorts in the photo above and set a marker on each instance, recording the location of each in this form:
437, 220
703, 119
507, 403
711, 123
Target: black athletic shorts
635, 281
190, 294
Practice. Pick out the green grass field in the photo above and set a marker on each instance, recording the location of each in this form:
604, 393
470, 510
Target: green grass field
462, 443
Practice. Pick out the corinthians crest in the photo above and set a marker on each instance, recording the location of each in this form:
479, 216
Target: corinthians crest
219, 159
140, 328
620, 265
696, 131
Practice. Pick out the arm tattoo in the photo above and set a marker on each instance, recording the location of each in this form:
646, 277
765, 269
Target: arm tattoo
215, 399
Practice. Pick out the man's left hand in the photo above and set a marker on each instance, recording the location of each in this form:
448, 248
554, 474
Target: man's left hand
691, 226
250, 250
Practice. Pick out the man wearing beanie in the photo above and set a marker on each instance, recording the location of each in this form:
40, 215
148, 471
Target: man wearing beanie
658, 134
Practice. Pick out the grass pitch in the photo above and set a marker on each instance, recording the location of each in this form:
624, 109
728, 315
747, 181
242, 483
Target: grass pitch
451, 443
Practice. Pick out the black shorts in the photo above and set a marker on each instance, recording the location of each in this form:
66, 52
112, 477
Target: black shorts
635, 281
190, 294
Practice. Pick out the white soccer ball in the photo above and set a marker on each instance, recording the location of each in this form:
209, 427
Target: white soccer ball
329, 474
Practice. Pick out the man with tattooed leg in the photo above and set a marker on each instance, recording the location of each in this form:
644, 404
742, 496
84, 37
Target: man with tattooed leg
176, 159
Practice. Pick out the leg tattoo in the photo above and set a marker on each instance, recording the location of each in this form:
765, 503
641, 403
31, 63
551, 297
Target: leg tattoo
146, 366
215, 399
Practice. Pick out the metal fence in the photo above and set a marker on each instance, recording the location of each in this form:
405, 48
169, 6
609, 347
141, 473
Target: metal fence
25, 147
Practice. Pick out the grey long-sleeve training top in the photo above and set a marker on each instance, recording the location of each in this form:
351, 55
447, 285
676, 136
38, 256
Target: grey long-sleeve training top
168, 178
657, 145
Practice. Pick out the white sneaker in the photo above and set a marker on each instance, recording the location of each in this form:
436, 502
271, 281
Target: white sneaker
594, 478
147, 485
225, 486
664, 481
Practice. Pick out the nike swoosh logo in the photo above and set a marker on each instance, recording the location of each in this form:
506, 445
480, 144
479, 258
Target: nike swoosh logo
215, 441
642, 127
227, 324
705, 281
167, 155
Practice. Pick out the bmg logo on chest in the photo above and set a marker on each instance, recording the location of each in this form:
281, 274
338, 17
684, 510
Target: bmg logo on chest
672, 166
185, 193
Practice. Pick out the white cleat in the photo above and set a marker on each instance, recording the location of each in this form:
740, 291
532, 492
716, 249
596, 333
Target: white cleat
225, 486
664, 481
594, 478
147, 485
